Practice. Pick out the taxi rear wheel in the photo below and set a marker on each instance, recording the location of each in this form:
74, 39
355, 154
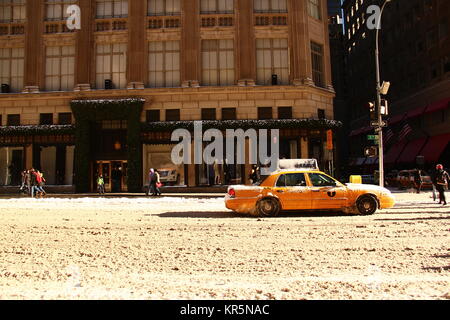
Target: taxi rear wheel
367, 205
268, 207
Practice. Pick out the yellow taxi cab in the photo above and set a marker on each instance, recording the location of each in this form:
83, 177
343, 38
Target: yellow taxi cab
303, 189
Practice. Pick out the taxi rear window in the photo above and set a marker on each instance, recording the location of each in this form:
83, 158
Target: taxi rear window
291, 180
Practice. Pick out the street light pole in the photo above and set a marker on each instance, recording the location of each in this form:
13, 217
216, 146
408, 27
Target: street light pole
379, 128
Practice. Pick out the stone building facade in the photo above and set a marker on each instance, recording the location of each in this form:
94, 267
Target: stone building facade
186, 60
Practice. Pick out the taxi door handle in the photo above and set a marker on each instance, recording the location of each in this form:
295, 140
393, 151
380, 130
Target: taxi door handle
280, 191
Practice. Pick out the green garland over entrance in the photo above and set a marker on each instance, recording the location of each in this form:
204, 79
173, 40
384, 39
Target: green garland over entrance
87, 112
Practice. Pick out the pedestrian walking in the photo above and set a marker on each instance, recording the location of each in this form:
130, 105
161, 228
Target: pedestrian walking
33, 183
441, 181
28, 181
23, 186
418, 181
101, 185
151, 182
40, 183
158, 184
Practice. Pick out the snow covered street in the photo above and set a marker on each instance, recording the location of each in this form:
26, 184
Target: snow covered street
178, 248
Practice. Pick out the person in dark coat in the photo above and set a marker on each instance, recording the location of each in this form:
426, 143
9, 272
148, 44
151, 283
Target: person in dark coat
418, 181
441, 181
152, 179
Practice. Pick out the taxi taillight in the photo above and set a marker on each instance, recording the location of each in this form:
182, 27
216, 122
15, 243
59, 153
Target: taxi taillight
232, 193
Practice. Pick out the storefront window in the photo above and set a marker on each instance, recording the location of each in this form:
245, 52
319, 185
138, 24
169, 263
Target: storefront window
158, 157
11, 166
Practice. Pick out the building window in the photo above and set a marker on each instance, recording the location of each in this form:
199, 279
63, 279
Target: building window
12, 11
59, 68
173, 115
317, 64
264, 113
285, 113
217, 62
56, 10
229, 114
64, 118
272, 60
314, 9
164, 64
112, 9
12, 68
216, 6
266, 6
153, 116
321, 114
111, 65
13, 120
164, 7
208, 114
46, 119
443, 30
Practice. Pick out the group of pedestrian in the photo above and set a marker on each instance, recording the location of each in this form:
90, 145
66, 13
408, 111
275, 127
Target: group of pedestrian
154, 183
33, 182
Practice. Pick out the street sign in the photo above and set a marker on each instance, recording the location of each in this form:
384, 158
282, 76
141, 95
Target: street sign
373, 137
376, 124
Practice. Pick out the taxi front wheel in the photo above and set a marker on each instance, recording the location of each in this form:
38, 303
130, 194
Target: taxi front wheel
268, 207
367, 205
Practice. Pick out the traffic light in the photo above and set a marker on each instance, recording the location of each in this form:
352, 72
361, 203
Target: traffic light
371, 152
373, 111
384, 107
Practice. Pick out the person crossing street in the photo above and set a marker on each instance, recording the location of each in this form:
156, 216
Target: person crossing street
441, 181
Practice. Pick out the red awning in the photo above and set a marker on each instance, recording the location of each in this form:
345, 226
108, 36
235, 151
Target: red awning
434, 148
438, 106
394, 152
367, 129
396, 119
412, 150
360, 161
415, 112
371, 161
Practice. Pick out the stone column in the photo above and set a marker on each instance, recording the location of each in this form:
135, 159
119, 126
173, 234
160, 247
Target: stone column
248, 166
191, 168
245, 43
190, 44
304, 148
28, 156
85, 46
33, 45
300, 48
326, 48
137, 49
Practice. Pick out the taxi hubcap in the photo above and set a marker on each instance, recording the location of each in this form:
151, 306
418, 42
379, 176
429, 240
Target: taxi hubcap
267, 206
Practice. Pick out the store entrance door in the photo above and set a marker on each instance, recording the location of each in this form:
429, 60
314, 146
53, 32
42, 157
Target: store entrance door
115, 175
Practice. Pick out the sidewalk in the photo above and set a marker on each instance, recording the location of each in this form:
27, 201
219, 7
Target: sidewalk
121, 195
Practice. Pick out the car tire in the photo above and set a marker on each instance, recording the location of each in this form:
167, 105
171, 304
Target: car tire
268, 207
367, 205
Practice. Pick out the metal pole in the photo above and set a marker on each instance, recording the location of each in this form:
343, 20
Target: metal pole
380, 117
